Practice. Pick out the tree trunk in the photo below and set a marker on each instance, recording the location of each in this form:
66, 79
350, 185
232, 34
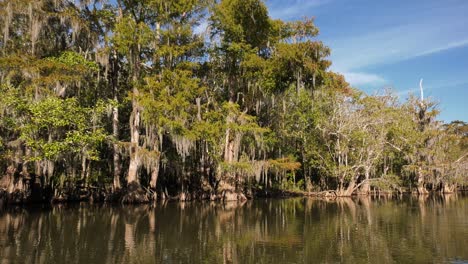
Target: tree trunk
154, 176
49, 167
116, 158
228, 143
346, 191
134, 192
15, 187
83, 168
448, 188
421, 184
365, 187
132, 176
8, 181
134, 144
226, 184
351, 188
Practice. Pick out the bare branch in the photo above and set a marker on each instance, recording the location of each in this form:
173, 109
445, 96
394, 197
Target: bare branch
422, 91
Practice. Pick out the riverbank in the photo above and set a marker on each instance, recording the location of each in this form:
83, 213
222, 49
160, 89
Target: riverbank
142, 195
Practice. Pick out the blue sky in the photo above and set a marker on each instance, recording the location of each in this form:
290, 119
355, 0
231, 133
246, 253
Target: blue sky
380, 44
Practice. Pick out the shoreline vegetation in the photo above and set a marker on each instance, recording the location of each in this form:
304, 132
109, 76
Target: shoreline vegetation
143, 101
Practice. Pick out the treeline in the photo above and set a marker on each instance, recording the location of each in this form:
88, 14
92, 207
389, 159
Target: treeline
136, 100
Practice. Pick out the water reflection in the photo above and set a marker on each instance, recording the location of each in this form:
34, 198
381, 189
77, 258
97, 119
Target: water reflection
360, 230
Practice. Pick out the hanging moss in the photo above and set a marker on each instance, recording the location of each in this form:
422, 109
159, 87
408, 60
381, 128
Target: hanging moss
128, 99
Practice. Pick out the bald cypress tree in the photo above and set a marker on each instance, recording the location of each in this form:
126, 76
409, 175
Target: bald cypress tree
135, 100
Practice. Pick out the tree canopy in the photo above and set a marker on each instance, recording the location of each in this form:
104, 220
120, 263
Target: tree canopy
136, 100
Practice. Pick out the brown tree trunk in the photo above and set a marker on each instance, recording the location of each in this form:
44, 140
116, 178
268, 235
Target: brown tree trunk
421, 183
83, 168
226, 184
351, 188
132, 176
116, 158
49, 167
154, 176
134, 192
228, 143
8, 181
365, 187
346, 191
134, 145
448, 188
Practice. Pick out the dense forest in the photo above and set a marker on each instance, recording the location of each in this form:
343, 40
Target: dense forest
135, 101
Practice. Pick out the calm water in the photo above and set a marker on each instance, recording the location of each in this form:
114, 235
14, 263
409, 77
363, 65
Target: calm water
408, 230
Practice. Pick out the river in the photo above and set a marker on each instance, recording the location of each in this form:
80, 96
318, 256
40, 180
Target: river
430, 229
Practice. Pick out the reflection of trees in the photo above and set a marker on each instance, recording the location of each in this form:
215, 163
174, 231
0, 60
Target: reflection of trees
262, 231
80, 233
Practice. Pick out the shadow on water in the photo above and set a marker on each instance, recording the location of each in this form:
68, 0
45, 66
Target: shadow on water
359, 230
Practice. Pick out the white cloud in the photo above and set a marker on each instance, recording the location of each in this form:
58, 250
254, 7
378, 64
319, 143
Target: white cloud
362, 78
388, 37
430, 29
452, 45
432, 87
293, 9
393, 45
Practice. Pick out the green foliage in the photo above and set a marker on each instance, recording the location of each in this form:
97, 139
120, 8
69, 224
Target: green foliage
131, 35
75, 60
288, 183
242, 21
58, 126
288, 164
256, 105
